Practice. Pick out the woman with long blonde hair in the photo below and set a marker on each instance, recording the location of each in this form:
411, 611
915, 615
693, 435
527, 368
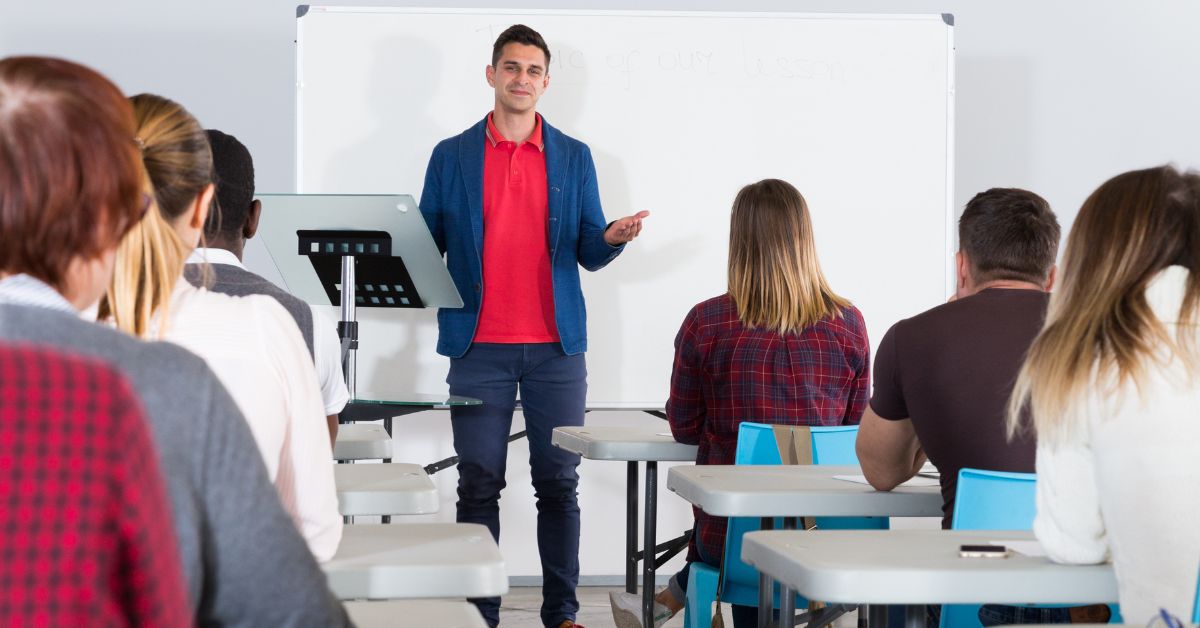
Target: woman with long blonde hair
1111, 385
778, 347
251, 343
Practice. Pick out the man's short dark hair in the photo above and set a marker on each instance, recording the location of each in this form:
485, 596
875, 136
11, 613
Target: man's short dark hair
519, 34
235, 185
1009, 233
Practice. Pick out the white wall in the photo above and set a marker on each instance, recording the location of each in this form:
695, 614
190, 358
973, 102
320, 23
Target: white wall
1053, 96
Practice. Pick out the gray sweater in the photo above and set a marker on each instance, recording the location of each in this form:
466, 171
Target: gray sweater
244, 560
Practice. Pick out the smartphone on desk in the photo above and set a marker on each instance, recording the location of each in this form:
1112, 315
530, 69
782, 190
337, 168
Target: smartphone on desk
983, 551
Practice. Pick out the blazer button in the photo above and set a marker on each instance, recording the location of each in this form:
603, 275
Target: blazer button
476, 287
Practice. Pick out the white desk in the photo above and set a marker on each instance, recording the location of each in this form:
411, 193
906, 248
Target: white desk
415, 614
631, 445
416, 560
384, 489
919, 567
362, 441
769, 491
795, 491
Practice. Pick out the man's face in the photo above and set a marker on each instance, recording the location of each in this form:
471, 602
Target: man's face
519, 77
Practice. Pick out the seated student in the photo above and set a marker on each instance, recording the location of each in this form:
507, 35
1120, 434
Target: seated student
110, 559
779, 347
1113, 383
226, 232
942, 377
70, 187
251, 343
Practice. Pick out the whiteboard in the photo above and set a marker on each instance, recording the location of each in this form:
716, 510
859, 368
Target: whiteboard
680, 111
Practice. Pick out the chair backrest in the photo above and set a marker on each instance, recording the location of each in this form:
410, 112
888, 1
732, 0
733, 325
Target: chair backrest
1196, 606
756, 445
834, 445
994, 500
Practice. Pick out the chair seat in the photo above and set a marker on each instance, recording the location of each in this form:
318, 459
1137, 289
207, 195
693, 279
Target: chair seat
362, 441
384, 489
415, 614
416, 560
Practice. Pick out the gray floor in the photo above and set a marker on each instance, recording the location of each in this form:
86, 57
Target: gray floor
519, 609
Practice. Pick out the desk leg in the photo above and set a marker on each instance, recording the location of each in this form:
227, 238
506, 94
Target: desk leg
766, 600
631, 521
649, 542
914, 616
878, 614
787, 606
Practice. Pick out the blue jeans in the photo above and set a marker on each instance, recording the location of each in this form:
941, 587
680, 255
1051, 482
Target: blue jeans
553, 389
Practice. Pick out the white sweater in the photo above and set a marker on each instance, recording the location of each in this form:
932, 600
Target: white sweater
1125, 485
256, 350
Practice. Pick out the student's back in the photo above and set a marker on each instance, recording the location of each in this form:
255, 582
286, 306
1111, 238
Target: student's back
951, 371
98, 548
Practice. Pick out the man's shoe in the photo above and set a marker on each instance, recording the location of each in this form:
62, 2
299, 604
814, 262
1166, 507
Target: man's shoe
627, 610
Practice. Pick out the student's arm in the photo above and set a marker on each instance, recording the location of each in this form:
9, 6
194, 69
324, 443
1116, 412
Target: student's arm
307, 450
149, 554
431, 198
1068, 523
888, 451
327, 354
593, 252
887, 446
860, 361
686, 407
258, 570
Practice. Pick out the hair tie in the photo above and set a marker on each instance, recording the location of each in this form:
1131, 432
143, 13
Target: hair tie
141, 144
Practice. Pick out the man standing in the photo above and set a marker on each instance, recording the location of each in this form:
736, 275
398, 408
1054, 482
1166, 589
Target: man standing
513, 204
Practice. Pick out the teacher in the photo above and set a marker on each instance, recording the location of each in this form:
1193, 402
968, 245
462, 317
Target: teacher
513, 204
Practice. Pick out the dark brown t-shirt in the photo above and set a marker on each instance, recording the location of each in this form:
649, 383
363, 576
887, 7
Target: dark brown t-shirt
951, 370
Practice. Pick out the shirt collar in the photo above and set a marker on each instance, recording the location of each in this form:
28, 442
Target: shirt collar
203, 255
495, 137
26, 290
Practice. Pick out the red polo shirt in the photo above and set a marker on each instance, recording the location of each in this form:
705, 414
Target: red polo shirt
518, 295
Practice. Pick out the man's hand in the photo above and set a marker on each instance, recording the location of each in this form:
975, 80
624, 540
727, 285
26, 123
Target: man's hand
625, 229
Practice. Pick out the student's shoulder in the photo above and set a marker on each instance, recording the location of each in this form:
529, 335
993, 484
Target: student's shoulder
718, 310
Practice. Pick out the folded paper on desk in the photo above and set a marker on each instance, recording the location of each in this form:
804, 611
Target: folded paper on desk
917, 482
1028, 548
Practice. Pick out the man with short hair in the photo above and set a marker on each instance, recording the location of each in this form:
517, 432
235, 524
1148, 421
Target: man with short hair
226, 233
943, 377
513, 204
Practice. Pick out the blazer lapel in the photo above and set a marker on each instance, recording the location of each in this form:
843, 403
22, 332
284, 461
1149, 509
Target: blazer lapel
557, 161
470, 160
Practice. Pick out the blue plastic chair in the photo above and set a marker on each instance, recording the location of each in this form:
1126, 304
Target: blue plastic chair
756, 445
1196, 606
992, 500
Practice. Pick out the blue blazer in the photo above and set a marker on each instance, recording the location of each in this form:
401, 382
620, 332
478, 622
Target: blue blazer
452, 204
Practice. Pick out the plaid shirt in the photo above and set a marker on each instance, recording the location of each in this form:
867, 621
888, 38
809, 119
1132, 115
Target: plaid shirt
85, 527
726, 373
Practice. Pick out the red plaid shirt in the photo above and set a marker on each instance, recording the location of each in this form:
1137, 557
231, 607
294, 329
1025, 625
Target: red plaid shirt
726, 373
85, 526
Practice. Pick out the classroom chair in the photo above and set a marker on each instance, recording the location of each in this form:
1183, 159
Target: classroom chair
1196, 606
756, 445
992, 500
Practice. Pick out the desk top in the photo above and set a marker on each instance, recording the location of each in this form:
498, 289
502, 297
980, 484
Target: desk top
609, 442
415, 614
416, 560
384, 489
413, 399
920, 567
794, 491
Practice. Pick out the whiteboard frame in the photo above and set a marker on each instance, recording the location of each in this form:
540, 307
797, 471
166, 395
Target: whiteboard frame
950, 235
